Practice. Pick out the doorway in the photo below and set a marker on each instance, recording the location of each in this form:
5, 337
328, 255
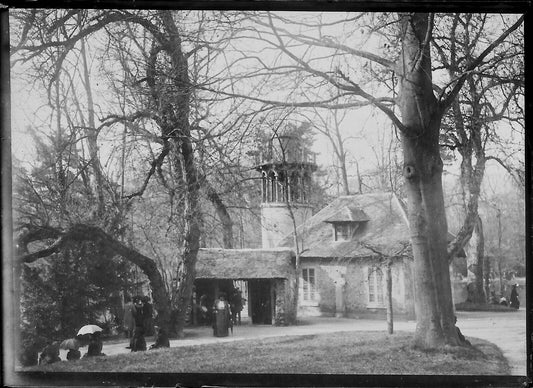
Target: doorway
260, 292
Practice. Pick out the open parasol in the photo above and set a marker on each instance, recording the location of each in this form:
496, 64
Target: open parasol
89, 329
71, 343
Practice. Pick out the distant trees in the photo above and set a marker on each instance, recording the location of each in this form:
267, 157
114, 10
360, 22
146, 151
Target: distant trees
170, 151
65, 186
488, 104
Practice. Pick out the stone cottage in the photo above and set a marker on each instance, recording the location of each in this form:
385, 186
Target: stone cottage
343, 250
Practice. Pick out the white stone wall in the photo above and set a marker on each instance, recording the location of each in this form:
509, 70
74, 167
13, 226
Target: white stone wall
277, 221
343, 289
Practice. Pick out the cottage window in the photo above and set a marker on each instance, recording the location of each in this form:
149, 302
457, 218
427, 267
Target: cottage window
344, 231
309, 284
375, 286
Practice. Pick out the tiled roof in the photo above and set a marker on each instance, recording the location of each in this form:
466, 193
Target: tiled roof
385, 231
348, 214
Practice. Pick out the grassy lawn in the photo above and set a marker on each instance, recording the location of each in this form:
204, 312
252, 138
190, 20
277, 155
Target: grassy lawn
340, 353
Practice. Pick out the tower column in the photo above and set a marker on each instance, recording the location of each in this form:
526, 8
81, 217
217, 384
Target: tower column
286, 176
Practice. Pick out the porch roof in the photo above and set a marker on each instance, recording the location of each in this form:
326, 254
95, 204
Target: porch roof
216, 263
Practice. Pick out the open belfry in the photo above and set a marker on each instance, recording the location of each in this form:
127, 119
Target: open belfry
286, 169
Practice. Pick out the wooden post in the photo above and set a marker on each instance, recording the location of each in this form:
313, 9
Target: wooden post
388, 280
272, 301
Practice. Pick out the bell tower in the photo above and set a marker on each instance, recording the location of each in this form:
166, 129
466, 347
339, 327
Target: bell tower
286, 167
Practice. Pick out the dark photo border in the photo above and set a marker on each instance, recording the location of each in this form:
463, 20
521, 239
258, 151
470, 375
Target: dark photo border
10, 271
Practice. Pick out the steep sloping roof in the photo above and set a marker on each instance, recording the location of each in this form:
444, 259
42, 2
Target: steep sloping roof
386, 229
216, 263
348, 214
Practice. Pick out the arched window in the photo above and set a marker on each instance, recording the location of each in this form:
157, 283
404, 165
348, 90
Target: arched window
264, 188
375, 286
271, 186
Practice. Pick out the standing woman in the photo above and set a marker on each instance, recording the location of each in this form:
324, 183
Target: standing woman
222, 315
515, 302
138, 342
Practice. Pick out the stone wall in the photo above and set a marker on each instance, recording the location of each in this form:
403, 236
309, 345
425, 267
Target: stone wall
285, 302
343, 289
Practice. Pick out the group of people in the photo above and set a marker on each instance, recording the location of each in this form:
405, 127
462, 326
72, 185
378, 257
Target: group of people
227, 304
513, 302
138, 322
226, 313
50, 353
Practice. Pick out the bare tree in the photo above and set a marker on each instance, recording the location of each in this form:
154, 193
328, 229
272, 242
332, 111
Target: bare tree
419, 125
161, 77
487, 100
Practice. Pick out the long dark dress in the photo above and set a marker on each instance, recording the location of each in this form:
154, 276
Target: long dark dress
138, 343
515, 303
95, 346
222, 314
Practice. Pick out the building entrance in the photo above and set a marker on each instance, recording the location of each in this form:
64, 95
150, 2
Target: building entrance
260, 302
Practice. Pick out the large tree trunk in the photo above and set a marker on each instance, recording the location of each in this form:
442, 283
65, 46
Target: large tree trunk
223, 215
175, 125
421, 117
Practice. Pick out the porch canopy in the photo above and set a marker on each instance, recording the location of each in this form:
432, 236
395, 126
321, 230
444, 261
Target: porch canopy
216, 263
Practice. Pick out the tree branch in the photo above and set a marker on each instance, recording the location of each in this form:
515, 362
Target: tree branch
154, 165
444, 104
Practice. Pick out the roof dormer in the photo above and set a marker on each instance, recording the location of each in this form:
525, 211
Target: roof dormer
347, 222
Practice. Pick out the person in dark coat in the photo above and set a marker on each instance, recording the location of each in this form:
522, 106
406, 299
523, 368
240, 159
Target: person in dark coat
148, 313
73, 354
138, 343
161, 338
50, 354
222, 317
514, 302
95, 346
236, 305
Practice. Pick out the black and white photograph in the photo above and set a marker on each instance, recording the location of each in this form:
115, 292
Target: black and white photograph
204, 196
